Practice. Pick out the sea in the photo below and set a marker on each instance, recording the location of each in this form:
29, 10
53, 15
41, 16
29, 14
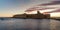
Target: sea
29, 24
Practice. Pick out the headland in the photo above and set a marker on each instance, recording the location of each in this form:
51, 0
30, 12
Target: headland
32, 16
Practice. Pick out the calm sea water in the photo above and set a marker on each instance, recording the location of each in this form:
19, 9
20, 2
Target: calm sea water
29, 24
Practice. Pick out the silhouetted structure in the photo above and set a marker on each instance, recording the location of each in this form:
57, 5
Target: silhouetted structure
35, 16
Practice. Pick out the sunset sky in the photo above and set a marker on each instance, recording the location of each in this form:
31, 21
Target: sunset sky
9, 8
12, 7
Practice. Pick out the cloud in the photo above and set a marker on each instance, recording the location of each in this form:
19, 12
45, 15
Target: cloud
46, 4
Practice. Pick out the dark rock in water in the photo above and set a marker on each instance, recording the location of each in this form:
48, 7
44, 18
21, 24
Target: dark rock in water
2, 18
58, 19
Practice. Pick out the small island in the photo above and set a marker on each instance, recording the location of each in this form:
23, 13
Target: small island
32, 16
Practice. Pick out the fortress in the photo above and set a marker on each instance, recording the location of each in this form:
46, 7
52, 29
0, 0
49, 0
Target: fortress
32, 16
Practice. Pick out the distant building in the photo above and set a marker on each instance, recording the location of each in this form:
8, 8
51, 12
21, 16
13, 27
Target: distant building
35, 16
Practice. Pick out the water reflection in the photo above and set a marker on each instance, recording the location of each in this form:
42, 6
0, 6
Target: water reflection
29, 24
55, 24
